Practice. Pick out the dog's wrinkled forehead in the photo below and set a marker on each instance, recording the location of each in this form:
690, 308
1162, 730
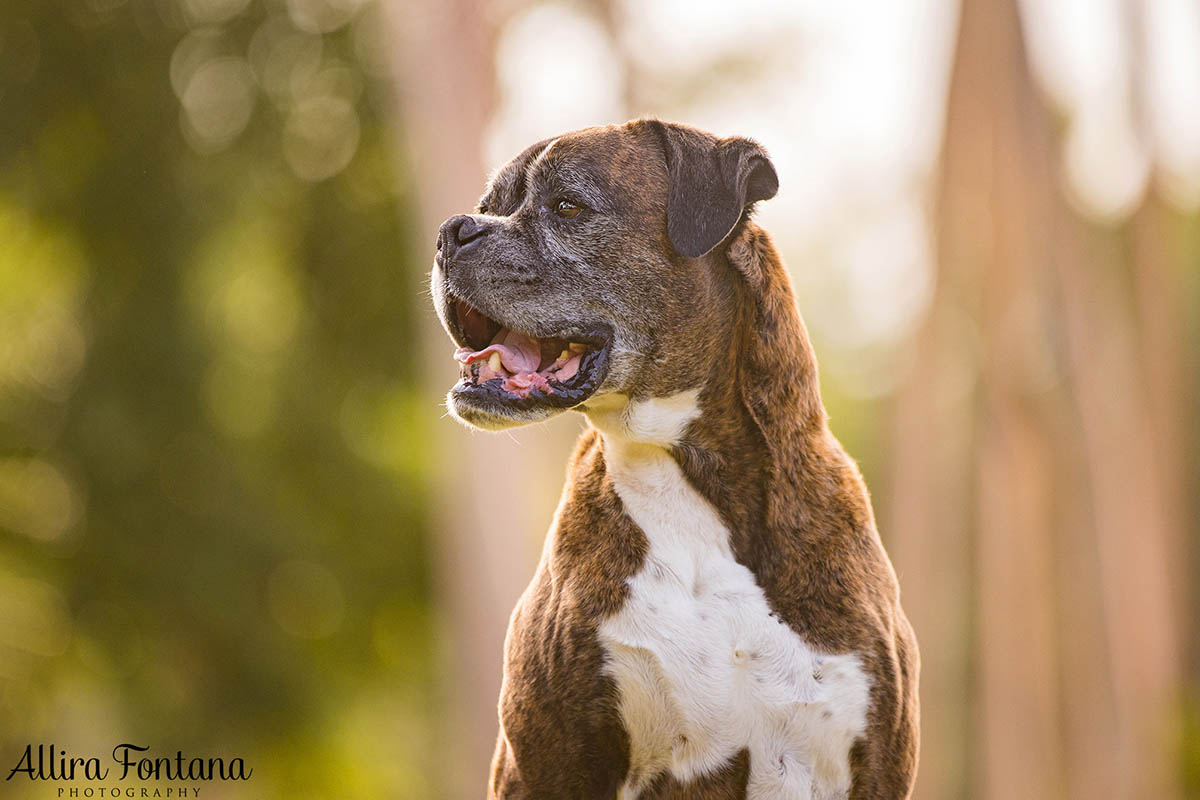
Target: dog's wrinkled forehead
605, 168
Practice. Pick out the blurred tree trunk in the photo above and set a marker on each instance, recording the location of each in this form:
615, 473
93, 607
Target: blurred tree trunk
486, 526
1036, 466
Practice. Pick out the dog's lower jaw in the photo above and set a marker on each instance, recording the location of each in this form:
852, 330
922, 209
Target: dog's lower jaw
474, 416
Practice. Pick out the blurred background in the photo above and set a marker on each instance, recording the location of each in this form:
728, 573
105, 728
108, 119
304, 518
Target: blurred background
235, 519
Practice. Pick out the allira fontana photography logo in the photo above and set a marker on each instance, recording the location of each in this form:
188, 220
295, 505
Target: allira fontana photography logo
129, 762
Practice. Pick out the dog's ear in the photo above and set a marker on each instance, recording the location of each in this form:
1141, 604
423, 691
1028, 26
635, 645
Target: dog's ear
713, 181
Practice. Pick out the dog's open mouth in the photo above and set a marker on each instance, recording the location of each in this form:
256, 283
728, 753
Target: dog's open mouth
518, 368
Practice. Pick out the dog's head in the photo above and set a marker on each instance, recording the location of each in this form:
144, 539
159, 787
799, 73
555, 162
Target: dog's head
589, 268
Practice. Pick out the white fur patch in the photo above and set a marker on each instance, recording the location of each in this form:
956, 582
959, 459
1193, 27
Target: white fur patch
702, 665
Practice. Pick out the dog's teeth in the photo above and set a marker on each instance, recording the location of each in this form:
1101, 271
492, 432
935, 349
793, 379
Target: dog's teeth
494, 361
564, 355
576, 347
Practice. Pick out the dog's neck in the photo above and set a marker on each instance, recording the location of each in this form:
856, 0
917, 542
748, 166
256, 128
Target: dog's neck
753, 440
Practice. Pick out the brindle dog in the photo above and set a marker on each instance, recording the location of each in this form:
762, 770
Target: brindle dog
714, 615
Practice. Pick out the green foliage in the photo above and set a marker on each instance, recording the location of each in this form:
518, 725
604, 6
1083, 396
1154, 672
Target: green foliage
212, 500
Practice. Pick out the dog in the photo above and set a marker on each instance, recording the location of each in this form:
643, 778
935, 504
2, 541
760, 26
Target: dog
713, 615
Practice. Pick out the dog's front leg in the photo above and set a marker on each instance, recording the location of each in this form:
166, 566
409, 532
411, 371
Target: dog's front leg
560, 771
560, 735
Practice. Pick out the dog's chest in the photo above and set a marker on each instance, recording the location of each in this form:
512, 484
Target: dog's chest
705, 669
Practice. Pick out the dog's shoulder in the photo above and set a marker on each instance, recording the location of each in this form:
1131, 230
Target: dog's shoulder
558, 705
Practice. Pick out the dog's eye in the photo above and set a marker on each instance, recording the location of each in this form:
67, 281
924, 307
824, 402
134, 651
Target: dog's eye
566, 209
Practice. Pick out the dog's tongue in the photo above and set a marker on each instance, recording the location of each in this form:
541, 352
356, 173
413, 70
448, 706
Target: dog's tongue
517, 359
518, 353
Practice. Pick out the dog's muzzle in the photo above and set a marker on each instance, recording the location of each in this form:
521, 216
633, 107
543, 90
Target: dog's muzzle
510, 369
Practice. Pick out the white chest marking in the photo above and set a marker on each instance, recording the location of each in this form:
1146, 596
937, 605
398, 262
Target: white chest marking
702, 666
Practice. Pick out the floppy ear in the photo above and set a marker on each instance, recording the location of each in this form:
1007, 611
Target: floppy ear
712, 183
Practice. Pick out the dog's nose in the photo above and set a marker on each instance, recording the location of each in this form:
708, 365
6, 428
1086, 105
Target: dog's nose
458, 234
